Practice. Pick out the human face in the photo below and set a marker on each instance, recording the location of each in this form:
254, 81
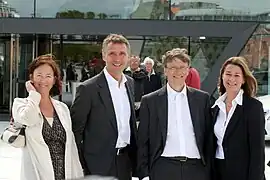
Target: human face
134, 63
233, 78
43, 79
176, 72
148, 66
116, 57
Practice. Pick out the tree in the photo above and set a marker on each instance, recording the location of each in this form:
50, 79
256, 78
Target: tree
70, 14
90, 15
102, 16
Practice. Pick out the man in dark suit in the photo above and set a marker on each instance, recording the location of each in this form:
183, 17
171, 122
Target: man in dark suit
103, 117
174, 130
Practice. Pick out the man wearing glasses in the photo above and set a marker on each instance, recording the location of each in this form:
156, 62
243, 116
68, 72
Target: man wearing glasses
174, 132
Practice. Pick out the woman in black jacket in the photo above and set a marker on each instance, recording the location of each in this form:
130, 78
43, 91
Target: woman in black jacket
238, 125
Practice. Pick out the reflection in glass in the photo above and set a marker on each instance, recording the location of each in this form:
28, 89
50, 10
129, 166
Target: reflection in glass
257, 53
204, 52
228, 10
6, 10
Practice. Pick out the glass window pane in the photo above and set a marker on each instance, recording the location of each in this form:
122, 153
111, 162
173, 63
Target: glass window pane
205, 51
107, 9
224, 10
257, 54
231, 10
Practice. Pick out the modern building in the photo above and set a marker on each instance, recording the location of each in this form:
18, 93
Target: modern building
211, 30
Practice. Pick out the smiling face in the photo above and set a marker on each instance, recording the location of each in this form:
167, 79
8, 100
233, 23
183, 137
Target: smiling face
116, 57
134, 63
176, 72
233, 78
43, 79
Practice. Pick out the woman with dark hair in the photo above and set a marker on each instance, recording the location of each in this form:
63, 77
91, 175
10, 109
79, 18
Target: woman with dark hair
238, 125
50, 152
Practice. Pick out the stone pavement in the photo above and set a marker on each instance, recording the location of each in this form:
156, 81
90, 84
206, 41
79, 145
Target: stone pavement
10, 159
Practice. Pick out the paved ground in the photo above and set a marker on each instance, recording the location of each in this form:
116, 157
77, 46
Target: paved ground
10, 160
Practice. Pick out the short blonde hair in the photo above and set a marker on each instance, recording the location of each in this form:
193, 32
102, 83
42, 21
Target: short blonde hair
148, 59
115, 38
179, 53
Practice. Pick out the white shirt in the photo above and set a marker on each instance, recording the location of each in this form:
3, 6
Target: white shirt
180, 133
121, 106
223, 119
49, 120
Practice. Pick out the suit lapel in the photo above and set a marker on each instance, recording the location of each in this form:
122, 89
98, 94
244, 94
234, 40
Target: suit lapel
105, 96
192, 102
162, 105
131, 103
215, 114
233, 121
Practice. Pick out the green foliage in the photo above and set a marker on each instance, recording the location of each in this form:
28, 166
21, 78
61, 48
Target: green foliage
70, 14
90, 15
80, 15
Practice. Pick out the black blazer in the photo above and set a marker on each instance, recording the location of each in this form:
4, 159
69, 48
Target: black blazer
152, 133
95, 127
243, 142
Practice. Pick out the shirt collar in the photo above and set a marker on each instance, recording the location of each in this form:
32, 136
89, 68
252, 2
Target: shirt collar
238, 99
172, 93
111, 80
129, 69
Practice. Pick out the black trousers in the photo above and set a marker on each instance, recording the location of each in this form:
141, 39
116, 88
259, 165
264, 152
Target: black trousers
220, 173
121, 167
168, 169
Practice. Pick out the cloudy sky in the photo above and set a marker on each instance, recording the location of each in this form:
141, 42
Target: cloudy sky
48, 8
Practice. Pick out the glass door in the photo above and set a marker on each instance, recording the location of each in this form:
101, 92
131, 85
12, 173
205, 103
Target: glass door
9, 51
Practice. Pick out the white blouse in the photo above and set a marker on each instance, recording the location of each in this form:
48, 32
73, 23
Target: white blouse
223, 119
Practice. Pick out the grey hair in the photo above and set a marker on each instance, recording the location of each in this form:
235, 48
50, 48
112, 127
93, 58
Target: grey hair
148, 59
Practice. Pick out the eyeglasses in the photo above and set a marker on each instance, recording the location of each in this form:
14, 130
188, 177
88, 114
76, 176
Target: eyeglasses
177, 69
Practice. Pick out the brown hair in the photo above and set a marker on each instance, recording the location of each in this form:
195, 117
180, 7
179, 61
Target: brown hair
179, 53
115, 38
48, 59
250, 84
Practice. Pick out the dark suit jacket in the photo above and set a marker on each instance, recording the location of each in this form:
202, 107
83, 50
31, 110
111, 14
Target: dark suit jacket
152, 133
152, 84
95, 127
243, 142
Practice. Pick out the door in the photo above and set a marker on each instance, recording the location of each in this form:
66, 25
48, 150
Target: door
9, 56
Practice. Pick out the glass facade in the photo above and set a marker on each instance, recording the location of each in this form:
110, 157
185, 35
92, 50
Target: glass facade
208, 51
257, 53
226, 10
